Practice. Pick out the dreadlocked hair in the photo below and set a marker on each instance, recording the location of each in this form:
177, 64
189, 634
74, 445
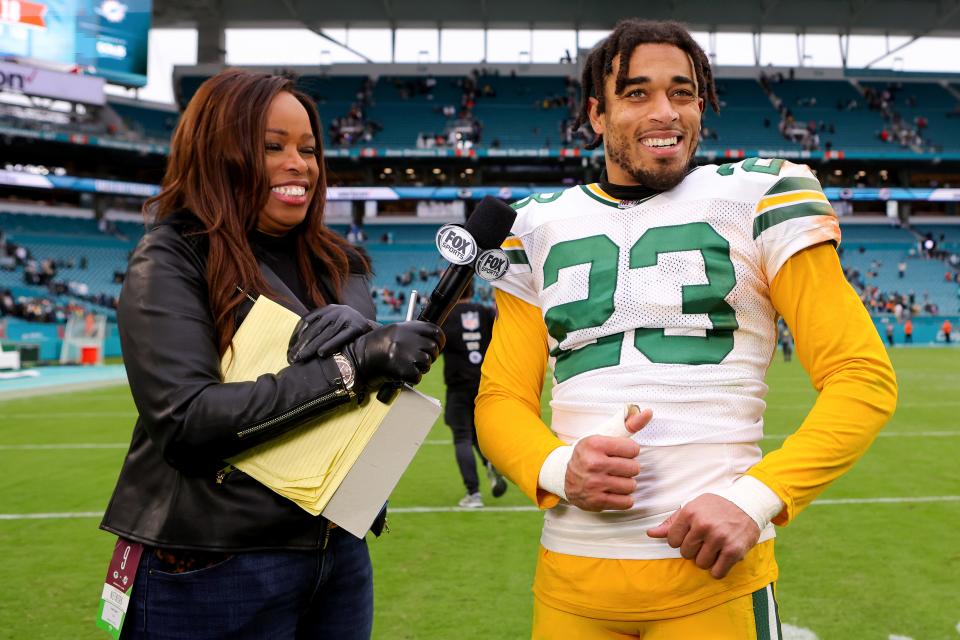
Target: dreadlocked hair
627, 35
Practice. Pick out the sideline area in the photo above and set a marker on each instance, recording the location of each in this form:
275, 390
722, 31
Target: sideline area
59, 379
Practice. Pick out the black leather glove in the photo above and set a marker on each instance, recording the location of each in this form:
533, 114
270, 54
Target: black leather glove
400, 352
325, 331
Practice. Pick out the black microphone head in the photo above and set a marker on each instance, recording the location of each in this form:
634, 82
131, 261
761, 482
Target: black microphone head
490, 223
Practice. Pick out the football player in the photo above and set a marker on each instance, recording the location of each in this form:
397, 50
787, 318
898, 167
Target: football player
660, 287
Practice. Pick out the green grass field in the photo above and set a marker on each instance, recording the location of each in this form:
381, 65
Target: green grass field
850, 570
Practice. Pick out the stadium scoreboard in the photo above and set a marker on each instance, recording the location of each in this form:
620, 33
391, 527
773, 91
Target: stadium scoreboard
107, 38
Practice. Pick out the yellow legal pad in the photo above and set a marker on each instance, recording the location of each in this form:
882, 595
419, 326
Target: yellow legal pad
308, 463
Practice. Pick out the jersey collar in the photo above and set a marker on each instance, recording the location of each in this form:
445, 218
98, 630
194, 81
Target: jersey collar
618, 195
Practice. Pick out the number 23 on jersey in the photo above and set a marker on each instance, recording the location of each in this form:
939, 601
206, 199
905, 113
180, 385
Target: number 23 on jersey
602, 256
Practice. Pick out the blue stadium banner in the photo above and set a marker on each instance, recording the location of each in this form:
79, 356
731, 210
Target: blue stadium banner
107, 38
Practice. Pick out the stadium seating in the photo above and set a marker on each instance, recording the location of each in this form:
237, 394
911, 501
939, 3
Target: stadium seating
152, 124
522, 111
879, 249
530, 112
68, 239
743, 109
515, 117
930, 101
950, 234
876, 235
817, 101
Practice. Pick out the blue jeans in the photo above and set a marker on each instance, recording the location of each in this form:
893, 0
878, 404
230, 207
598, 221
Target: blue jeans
282, 595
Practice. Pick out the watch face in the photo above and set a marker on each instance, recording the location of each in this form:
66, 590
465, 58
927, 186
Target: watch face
346, 370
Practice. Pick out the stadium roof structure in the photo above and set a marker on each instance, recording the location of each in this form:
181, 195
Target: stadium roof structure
894, 17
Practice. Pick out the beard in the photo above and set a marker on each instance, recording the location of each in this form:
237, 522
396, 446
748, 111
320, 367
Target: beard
665, 173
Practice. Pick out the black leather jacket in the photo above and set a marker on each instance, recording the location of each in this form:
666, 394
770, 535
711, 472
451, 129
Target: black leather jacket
170, 492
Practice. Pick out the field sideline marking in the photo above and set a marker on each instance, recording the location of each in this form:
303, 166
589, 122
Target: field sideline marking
98, 514
56, 447
884, 434
790, 632
124, 445
74, 414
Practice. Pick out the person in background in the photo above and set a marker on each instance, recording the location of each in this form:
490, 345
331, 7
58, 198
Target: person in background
908, 331
947, 329
240, 215
889, 331
468, 329
786, 342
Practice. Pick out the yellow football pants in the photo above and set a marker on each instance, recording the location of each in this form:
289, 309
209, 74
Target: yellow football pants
749, 617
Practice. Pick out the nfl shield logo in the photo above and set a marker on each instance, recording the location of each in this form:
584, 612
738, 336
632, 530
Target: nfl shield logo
470, 320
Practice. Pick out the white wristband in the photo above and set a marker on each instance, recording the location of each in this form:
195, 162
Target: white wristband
553, 473
754, 498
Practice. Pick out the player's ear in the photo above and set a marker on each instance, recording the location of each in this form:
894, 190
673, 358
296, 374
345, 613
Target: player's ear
701, 104
593, 111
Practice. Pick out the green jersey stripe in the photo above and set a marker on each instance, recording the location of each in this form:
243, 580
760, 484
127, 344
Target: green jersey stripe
521, 203
776, 216
794, 184
517, 256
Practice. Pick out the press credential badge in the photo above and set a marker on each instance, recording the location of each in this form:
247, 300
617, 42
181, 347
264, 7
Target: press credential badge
118, 586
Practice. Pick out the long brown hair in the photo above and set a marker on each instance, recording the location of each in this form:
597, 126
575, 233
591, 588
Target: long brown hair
626, 36
216, 170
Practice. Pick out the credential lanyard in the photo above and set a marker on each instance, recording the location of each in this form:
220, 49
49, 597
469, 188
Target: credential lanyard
115, 597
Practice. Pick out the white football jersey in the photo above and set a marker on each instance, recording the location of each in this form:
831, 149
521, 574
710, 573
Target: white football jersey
665, 302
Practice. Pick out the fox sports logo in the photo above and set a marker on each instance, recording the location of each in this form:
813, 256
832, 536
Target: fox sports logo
492, 264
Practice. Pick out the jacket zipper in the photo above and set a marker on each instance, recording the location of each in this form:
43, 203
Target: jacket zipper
223, 473
326, 537
266, 424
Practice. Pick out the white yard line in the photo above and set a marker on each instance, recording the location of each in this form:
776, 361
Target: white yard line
51, 516
57, 447
505, 509
903, 500
791, 632
886, 434
900, 405
73, 414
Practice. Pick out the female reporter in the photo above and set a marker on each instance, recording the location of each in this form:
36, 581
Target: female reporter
240, 215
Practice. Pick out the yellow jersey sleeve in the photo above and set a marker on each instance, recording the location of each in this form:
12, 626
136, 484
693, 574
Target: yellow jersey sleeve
840, 350
511, 433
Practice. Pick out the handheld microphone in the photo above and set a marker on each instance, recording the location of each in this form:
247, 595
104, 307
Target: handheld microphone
472, 248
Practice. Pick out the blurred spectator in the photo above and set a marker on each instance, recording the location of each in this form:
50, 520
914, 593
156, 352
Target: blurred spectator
356, 234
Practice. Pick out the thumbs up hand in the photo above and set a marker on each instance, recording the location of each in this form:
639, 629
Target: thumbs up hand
602, 470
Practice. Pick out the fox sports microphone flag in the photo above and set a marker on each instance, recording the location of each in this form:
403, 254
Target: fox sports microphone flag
483, 233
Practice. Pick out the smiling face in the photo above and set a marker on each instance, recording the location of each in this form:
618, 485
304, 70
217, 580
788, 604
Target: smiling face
291, 165
650, 129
